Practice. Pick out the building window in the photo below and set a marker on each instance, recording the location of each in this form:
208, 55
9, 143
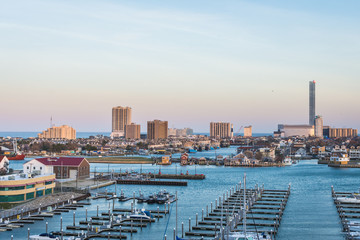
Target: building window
34, 168
40, 168
27, 167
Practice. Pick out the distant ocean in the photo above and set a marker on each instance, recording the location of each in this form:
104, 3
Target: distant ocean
88, 134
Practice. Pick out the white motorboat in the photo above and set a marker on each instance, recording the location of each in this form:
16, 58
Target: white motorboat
142, 214
353, 198
44, 236
50, 236
287, 161
248, 236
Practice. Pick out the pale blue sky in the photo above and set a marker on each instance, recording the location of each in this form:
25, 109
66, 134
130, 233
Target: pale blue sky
188, 62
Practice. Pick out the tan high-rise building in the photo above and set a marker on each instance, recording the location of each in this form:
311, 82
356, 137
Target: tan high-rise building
221, 130
132, 131
319, 125
342, 132
157, 129
248, 131
62, 132
121, 116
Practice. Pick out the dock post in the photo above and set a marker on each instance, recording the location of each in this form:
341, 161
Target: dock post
62, 234
134, 198
165, 237
141, 223
211, 207
158, 213
12, 237
132, 207
196, 219
174, 234
61, 223
120, 232
150, 219
132, 227
73, 218
215, 203
109, 213
97, 210
46, 227
207, 210
189, 224
215, 229
202, 214
182, 229
86, 214
165, 208
113, 204
28, 233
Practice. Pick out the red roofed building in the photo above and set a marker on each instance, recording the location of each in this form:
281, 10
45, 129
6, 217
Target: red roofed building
62, 167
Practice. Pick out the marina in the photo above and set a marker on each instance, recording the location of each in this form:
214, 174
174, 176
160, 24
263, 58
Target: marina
302, 211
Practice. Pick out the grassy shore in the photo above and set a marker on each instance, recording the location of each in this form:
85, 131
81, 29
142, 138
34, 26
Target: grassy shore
123, 160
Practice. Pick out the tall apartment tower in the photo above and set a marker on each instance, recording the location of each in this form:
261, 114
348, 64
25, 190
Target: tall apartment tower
157, 129
221, 130
248, 131
319, 126
121, 116
312, 102
132, 131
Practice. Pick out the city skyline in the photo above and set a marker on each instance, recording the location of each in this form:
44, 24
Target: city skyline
189, 63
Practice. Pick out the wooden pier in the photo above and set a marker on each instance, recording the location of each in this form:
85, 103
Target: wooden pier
264, 214
152, 182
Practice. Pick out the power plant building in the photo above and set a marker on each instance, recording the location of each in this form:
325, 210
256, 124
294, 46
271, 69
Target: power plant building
221, 130
157, 129
296, 130
121, 116
312, 102
62, 132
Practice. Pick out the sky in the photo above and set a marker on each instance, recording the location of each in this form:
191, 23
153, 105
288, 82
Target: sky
187, 62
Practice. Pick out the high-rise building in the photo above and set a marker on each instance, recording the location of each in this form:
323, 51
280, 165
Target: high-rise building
319, 125
312, 102
221, 130
248, 131
132, 131
121, 116
175, 132
62, 132
157, 129
342, 132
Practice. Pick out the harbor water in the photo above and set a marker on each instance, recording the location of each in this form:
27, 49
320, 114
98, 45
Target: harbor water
309, 214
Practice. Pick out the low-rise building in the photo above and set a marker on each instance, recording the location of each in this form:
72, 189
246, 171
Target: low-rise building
22, 187
4, 165
62, 167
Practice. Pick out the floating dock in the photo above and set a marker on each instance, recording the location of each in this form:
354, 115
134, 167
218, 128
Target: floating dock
349, 213
264, 214
152, 182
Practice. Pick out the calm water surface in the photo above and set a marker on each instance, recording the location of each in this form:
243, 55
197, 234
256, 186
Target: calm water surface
310, 213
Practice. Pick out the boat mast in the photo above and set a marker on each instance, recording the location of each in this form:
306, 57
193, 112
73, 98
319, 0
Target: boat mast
244, 218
